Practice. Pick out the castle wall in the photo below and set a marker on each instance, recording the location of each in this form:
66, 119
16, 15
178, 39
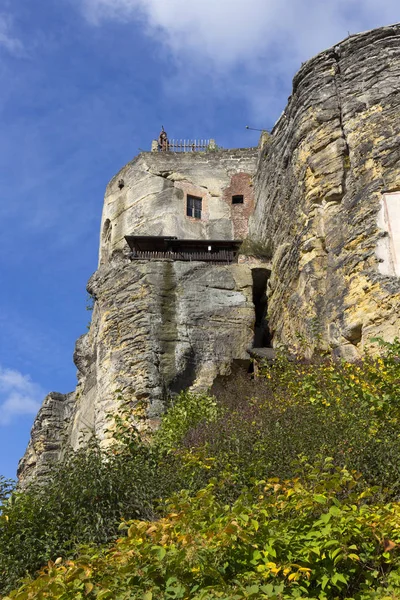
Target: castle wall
153, 199
323, 173
241, 185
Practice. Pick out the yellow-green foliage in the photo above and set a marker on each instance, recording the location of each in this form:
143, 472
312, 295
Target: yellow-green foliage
255, 508
251, 247
187, 411
321, 538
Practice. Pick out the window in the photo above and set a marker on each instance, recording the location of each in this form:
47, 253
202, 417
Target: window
193, 207
388, 246
238, 199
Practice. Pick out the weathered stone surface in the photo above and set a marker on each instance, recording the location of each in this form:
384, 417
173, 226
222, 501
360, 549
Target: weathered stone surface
153, 199
324, 188
48, 435
157, 328
319, 184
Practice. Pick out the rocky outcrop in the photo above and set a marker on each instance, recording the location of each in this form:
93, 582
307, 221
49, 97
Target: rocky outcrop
325, 208
48, 436
322, 175
158, 327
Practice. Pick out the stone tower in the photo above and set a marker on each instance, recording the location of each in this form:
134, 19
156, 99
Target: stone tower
149, 196
159, 325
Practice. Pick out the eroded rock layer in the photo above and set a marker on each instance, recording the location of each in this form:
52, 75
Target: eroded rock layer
323, 172
158, 327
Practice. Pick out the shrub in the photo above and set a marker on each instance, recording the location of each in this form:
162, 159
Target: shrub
246, 518
318, 536
82, 501
251, 247
187, 411
6, 488
349, 411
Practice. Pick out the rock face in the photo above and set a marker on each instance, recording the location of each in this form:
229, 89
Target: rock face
323, 180
157, 328
48, 435
324, 200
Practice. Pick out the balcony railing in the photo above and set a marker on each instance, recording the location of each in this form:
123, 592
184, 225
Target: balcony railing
165, 247
187, 146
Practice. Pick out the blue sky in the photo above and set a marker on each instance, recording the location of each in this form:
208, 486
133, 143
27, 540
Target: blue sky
85, 84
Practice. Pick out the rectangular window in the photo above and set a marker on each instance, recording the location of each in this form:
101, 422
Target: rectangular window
388, 247
238, 199
193, 207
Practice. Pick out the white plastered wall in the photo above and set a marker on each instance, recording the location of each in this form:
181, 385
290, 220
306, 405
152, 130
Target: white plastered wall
388, 248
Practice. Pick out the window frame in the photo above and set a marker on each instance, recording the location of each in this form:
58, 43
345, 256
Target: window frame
194, 206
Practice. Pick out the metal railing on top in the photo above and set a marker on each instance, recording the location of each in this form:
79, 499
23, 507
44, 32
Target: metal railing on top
190, 145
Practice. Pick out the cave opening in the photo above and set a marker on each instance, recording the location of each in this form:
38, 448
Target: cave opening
262, 334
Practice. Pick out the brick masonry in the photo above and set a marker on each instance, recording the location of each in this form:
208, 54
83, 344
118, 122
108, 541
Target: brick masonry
241, 184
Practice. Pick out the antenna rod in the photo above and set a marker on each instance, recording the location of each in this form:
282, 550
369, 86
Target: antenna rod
253, 129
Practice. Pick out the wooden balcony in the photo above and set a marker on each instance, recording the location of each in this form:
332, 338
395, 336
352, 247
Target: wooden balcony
146, 247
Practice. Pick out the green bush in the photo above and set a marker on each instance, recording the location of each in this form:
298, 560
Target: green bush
6, 488
318, 536
86, 495
187, 411
350, 411
334, 534
251, 247
82, 501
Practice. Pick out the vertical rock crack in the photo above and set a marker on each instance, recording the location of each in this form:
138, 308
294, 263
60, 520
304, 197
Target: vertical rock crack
338, 85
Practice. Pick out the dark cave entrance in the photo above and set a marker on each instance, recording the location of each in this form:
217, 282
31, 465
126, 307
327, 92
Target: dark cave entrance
262, 334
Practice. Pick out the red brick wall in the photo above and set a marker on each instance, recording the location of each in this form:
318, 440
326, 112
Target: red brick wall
241, 183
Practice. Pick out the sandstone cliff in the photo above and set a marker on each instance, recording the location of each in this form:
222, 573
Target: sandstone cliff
157, 328
326, 200
323, 175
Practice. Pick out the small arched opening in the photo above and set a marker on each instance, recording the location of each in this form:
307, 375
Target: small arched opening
105, 241
107, 229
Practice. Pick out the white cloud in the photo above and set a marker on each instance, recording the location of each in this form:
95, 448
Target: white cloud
19, 395
7, 39
267, 40
236, 31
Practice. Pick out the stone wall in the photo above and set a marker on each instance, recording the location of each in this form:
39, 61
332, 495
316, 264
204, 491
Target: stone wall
152, 200
241, 185
322, 173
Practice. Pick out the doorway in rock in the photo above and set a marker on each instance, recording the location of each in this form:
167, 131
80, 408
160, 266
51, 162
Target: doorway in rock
262, 334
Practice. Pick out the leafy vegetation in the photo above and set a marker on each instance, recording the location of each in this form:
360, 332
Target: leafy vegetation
83, 500
6, 487
350, 411
284, 486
